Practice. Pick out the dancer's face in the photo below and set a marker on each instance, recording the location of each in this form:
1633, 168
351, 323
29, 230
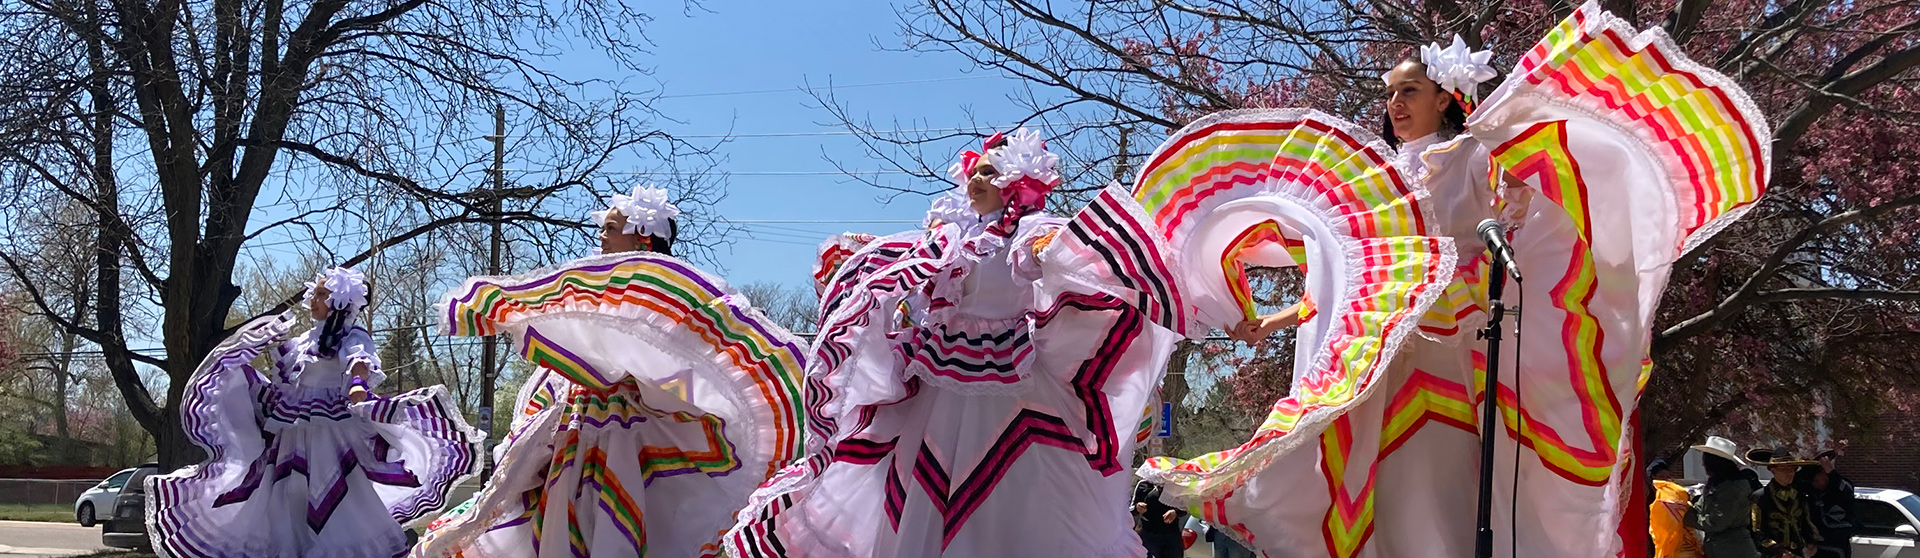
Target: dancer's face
981, 193
1415, 104
317, 304
614, 238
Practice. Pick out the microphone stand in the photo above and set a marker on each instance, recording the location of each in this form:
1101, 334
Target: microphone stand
1490, 410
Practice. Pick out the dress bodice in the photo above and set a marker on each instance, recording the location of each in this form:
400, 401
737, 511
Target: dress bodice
1455, 174
299, 363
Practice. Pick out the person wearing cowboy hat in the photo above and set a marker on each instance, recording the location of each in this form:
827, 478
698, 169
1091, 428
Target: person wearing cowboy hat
1723, 511
1832, 498
1783, 518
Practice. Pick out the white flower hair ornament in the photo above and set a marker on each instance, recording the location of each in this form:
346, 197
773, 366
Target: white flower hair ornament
346, 288
648, 212
1027, 172
1458, 69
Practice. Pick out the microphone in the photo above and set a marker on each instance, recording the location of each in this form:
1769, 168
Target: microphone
1495, 237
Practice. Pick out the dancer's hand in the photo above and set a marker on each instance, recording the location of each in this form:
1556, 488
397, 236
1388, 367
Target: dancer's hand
1258, 329
1517, 199
1245, 331
357, 395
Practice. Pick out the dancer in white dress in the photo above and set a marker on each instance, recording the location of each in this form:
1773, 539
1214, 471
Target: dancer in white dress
304, 462
1615, 155
660, 400
978, 384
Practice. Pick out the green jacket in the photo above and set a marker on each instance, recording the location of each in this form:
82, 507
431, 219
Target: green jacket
1724, 511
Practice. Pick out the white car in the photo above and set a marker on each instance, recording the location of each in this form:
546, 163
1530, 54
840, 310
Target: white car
1889, 523
92, 503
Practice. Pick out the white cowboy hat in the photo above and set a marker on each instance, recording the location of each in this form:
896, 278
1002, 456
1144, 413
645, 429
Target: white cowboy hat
1724, 448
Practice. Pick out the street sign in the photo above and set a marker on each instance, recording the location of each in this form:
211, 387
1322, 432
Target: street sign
1166, 421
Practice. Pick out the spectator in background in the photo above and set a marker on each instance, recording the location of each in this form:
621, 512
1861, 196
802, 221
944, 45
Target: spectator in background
1828, 464
1666, 518
1830, 498
1724, 508
1160, 529
1782, 515
1223, 545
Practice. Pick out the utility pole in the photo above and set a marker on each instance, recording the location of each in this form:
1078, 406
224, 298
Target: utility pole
487, 346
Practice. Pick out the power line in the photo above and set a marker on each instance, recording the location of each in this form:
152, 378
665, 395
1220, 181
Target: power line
820, 221
831, 133
853, 86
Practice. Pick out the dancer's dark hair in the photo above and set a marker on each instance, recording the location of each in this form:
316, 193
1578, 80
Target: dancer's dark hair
331, 330
338, 323
1719, 468
1452, 123
664, 245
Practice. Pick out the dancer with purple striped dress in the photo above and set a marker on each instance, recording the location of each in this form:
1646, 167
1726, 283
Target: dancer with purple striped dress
303, 461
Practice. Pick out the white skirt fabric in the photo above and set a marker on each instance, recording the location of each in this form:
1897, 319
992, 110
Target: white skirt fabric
297, 471
979, 393
1633, 156
661, 400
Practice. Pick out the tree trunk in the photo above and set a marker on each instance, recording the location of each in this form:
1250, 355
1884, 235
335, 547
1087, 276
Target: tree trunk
63, 370
175, 449
1173, 389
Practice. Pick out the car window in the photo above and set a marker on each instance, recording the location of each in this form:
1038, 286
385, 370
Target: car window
138, 482
1912, 504
1878, 519
118, 479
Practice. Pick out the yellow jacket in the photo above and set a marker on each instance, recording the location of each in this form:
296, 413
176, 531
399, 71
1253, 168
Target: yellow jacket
1671, 536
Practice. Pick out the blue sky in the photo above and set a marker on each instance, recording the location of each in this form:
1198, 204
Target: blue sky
738, 68
757, 46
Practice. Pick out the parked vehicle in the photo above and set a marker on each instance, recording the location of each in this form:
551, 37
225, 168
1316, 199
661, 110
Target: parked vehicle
127, 527
1889, 523
98, 500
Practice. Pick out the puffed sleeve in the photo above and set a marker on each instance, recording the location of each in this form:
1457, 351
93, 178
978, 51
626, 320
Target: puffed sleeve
357, 348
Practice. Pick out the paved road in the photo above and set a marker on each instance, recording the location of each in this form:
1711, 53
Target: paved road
32, 539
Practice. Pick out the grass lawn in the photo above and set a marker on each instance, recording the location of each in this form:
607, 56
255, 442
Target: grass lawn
59, 513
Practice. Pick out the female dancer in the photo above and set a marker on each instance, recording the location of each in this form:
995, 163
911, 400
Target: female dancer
659, 400
978, 384
1637, 156
305, 462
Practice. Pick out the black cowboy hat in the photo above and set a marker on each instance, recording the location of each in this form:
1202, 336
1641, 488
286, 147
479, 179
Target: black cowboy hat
1775, 457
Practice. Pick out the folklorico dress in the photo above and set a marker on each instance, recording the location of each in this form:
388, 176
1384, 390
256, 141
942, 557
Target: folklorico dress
977, 389
660, 399
1636, 156
293, 468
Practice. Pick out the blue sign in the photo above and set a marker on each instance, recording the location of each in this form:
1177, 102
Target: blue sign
1166, 420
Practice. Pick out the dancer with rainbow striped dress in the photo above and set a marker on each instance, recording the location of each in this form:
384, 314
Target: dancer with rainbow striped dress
660, 399
1607, 155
